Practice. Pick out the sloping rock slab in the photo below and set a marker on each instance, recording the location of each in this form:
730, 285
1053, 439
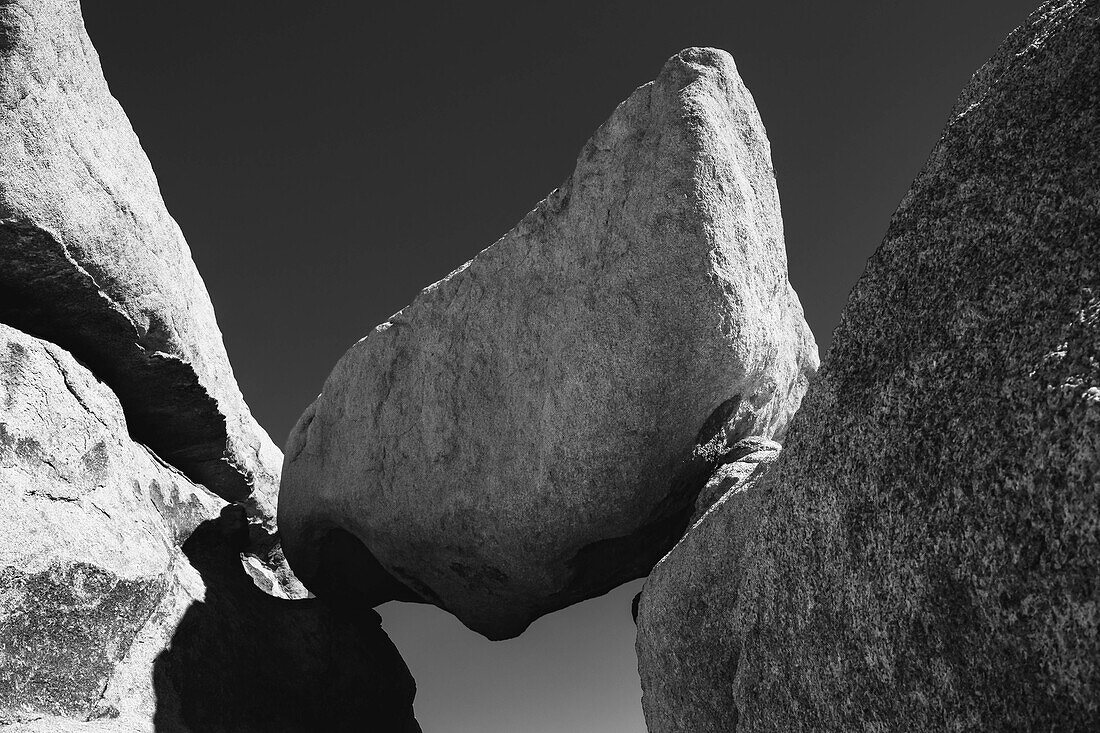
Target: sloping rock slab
683, 612
107, 625
92, 525
746, 461
927, 552
534, 428
91, 260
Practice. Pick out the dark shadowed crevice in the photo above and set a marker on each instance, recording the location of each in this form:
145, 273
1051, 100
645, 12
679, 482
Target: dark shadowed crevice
44, 294
242, 661
348, 574
606, 564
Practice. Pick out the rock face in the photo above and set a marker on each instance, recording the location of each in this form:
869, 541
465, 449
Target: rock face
534, 428
93, 262
92, 526
746, 461
289, 665
928, 543
686, 622
124, 603
117, 614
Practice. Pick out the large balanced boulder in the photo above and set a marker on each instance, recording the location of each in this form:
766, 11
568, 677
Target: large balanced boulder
92, 261
925, 554
124, 604
534, 428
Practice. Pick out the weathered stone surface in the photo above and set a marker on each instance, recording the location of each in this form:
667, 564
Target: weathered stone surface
685, 616
220, 656
534, 428
928, 544
745, 461
92, 525
106, 625
92, 261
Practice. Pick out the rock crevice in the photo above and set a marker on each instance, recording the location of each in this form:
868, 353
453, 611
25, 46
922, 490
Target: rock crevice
94, 263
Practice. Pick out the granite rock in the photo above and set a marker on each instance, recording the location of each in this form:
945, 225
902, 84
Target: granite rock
534, 428
92, 526
746, 461
93, 262
685, 617
242, 661
925, 551
124, 603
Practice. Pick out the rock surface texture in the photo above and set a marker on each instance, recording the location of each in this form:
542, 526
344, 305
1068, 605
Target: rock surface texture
92, 526
124, 605
928, 544
93, 262
746, 461
685, 623
534, 428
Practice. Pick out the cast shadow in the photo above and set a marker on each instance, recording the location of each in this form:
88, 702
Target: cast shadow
244, 661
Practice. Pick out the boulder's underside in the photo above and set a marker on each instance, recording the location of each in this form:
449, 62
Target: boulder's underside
596, 396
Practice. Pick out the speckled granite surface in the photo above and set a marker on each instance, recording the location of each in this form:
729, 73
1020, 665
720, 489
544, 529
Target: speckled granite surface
928, 550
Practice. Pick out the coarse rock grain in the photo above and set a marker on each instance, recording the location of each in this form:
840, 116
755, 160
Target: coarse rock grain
925, 552
91, 260
534, 428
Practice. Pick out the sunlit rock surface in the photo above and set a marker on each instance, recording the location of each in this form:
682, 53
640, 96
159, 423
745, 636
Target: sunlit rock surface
924, 554
92, 261
124, 605
92, 526
533, 429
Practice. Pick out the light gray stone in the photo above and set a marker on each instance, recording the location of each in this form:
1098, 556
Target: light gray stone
534, 428
91, 260
688, 627
92, 526
745, 461
124, 605
925, 555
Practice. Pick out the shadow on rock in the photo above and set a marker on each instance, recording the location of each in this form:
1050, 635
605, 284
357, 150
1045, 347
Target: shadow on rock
242, 660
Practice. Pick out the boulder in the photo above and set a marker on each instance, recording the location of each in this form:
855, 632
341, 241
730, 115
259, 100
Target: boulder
925, 553
684, 616
746, 461
243, 661
124, 604
92, 526
93, 262
534, 428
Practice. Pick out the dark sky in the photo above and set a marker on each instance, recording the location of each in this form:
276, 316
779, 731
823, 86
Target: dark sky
327, 160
